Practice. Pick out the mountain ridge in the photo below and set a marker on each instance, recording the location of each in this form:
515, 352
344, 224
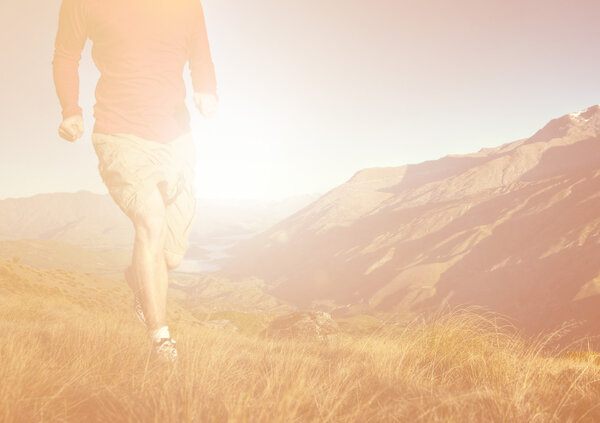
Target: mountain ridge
418, 237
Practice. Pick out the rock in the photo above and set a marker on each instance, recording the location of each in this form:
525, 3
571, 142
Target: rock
305, 325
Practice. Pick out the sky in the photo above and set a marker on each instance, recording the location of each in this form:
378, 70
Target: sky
313, 91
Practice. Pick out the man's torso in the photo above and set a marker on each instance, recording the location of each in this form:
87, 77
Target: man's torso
140, 48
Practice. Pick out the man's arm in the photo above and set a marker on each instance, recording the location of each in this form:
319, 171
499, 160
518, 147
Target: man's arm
201, 65
69, 43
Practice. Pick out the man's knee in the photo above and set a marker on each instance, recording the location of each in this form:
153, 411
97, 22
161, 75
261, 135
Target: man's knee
149, 228
149, 222
173, 260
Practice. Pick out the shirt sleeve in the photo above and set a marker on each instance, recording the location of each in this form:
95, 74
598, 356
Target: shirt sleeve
201, 64
70, 39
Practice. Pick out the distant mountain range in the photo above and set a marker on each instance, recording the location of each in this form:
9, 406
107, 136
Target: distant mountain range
94, 221
81, 218
514, 228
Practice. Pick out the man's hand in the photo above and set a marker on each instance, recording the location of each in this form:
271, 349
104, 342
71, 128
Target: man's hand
71, 129
206, 104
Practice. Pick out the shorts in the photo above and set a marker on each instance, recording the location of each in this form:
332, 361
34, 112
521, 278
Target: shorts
132, 168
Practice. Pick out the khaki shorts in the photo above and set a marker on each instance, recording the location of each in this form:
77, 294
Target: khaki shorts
132, 168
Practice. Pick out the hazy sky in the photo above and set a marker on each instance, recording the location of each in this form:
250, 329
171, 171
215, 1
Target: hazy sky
314, 90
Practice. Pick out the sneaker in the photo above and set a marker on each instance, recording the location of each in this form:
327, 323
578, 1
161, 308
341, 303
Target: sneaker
137, 302
164, 350
138, 309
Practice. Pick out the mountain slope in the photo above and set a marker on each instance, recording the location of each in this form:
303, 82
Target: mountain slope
514, 228
81, 218
42, 291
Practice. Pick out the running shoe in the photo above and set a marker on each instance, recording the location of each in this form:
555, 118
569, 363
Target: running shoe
137, 302
138, 309
164, 350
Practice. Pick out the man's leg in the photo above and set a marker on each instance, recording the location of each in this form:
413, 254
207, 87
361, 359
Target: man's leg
172, 261
180, 210
149, 268
129, 168
148, 261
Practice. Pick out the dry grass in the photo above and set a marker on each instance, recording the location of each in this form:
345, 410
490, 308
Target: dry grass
62, 361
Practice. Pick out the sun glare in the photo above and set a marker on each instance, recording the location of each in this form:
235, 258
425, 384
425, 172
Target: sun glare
236, 155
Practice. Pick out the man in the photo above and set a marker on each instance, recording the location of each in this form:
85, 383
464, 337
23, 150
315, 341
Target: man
142, 132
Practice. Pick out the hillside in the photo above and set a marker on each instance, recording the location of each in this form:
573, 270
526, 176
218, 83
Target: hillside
200, 294
514, 228
48, 254
72, 351
63, 292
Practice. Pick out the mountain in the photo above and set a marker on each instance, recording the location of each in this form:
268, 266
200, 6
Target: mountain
514, 229
80, 218
94, 221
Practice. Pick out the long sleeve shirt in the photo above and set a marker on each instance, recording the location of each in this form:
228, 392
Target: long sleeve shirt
140, 48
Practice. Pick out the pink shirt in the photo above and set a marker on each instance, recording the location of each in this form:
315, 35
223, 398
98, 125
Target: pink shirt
140, 48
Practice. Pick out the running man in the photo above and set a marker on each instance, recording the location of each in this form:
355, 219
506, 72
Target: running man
146, 155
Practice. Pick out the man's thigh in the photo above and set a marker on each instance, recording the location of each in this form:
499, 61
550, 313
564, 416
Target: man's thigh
133, 169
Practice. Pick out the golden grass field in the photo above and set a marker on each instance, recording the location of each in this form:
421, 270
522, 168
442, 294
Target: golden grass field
72, 351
